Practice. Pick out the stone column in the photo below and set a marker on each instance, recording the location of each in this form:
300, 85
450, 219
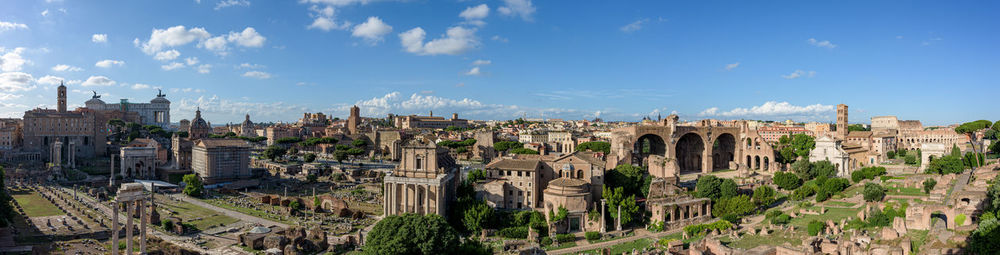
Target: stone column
385, 196
406, 198
129, 206
437, 199
618, 221
427, 199
706, 158
143, 218
604, 227
709, 208
114, 228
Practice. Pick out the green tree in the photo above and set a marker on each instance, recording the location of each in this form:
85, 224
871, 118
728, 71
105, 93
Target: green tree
803, 168
192, 185
6, 209
815, 227
873, 192
412, 234
477, 217
273, 152
969, 129
507, 145
359, 143
616, 197
476, 175
857, 127
311, 178
340, 156
288, 140
735, 206
945, 165
929, 184
787, 181
728, 188
309, 157
295, 205
802, 144
708, 187
763, 195
595, 146
630, 177
910, 159
523, 151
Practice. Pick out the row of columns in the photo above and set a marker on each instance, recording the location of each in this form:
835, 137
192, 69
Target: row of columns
410, 198
702, 210
143, 220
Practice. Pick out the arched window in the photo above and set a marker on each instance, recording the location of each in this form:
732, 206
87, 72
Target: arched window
579, 174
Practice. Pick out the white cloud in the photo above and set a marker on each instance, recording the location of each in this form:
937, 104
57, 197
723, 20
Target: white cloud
219, 109
98, 81
12, 61
107, 63
248, 38
257, 74
421, 103
167, 55
191, 61
372, 30
480, 62
522, 8
730, 67
799, 74
16, 81
45, 13
822, 44
773, 109
7, 26
99, 38
475, 12
634, 26
66, 68
231, 3
457, 40
499, 39
172, 66
474, 71
139, 86
325, 19
205, 68
172, 37
50, 80
250, 66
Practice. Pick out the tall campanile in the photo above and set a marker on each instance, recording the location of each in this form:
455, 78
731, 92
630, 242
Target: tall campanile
61, 104
842, 121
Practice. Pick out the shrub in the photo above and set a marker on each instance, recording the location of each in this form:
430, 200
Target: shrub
959, 219
593, 235
929, 185
781, 219
737, 206
787, 181
878, 218
770, 214
514, 232
546, 241
763, 195
803, 192
873, 192
563, 238
694, 230
816, 227
867, 173
910, 159
167, 224
891, 154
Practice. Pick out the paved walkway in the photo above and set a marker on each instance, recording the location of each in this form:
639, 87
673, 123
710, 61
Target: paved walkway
960, 183
238, 215
639, 234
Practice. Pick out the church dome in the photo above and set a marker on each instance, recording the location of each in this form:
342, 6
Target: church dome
159, 100
94, 101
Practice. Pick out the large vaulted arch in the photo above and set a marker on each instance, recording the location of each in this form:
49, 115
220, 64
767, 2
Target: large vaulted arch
689, 153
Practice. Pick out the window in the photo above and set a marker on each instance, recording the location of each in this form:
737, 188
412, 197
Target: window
528, 174
518, 173
508, 173
510, 192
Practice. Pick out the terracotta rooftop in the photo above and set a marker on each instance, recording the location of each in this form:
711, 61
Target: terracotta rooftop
212, 143
514, 164
567, 182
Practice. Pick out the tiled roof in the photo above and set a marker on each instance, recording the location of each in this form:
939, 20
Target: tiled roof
211, 143
514, 164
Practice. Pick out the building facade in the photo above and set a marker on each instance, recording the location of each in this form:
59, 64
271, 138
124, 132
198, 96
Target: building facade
430, 122
423, 183
221, 160
156, 112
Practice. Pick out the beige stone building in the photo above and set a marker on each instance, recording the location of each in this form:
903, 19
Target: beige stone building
221, 160
829, 149
10, 134
772, 134
139, 160
430, 122
574, 181
423, 183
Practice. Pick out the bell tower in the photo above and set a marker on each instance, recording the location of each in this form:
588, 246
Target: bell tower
61, 101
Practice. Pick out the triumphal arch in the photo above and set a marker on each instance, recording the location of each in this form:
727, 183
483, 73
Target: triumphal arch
665, 147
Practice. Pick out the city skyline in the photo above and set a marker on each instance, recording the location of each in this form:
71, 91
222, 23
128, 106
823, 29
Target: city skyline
506, 59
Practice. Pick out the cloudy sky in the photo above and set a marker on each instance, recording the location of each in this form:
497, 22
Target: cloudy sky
619, 60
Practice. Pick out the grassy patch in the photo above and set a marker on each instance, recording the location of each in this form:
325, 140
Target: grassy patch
35, 205
917, 239
751, 241
200, 217
247, 211
560, 246
903, 191
626, 247
835, 214
840, 204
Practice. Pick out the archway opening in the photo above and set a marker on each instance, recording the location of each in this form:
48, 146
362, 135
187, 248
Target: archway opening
646, 145
723, 150
939, 215
689, 151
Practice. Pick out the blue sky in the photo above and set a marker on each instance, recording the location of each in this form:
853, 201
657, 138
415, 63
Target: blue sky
619, 60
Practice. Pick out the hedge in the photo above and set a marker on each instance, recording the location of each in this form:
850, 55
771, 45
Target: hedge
593, 235
562, 238
514, 232
693, 230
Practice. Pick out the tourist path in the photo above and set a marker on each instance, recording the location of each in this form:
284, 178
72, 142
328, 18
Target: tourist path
238, 215
639, 234
960, 183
